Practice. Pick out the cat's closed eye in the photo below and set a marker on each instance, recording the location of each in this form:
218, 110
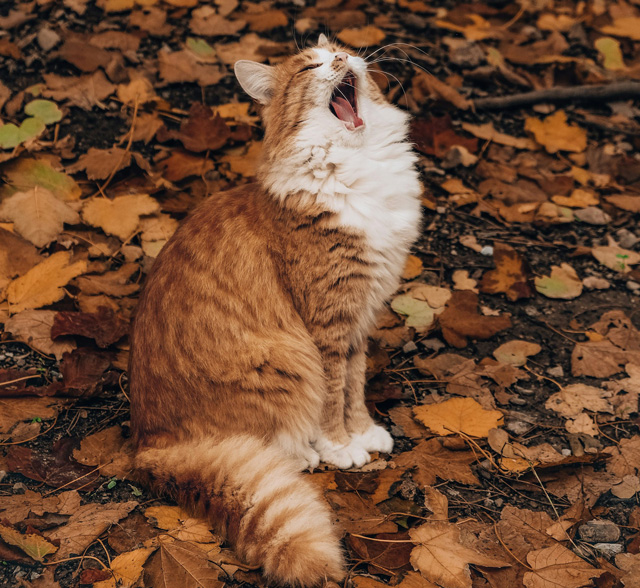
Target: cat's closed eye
310, 66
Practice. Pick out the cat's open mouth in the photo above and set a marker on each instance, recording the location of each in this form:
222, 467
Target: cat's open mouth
344, 104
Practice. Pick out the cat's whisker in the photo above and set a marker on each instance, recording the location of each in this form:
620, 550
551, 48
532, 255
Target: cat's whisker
386, 73
396, 46
402, 61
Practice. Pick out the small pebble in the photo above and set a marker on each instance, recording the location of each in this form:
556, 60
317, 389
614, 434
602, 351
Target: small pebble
518, 427
531, 311
599, 531
556, 371
410, 347
626, 238
433, 344
517, 401
566, 452
631, 285
441, 209
498, 502
47, 39
488, 502
525, 391
19, 487
487, 250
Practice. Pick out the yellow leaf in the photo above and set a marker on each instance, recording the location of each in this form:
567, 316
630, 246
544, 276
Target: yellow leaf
516, 352
364, 37
489, 133
554, 134
34, 545
627, 26
611, 53
44, 283
126, 568
244, 161
458, 415
579, 199
412, 268
180, 524
120, 216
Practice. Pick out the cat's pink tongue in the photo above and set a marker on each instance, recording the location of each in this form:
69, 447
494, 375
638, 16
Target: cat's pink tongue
344, 111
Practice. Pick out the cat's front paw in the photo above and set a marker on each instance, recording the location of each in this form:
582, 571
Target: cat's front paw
375, 438
342, 456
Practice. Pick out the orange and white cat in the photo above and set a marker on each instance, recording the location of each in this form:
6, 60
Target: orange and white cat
248, 348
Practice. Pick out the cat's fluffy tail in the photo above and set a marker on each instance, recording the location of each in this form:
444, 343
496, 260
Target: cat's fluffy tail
254, 497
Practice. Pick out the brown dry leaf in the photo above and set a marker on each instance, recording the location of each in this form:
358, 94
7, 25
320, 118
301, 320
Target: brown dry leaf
180, 563
402, 416
114, 283
243, 160
86, 524
138, 90
512, 275
563, 283
180, 524
432, 461
557, 566
582, 485
184, 66
616, 258
625, 201
87, 58
17, 256
17, 507
99, 164
126, 568
180, 165
109, 450
462, 281
357, 514
37, 215
120, 216
626, 26
437, 503
575, 398
26, 173
44, 283
489, 133
265, 21
478, 29
33, 544
516, 352
625, 460
554, 134
461, 320
34, 327
364, 37
441, 558
251, 47
207, 22
84, 91
412, 268
458, 415
425, 83
579, 199
202, 131
523, 530
13, 410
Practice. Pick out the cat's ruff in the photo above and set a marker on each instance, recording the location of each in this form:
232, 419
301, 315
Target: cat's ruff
266, 293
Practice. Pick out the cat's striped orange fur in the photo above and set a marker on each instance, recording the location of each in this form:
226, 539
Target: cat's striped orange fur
248, 349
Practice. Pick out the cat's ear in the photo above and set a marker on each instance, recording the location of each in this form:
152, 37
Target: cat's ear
322, 40
257, 79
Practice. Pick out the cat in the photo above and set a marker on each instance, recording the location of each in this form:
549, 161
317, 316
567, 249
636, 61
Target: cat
248, 346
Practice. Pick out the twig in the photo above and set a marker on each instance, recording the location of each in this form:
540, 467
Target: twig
20, 379
613, 91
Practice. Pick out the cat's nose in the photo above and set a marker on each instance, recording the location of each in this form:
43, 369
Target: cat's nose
342, 56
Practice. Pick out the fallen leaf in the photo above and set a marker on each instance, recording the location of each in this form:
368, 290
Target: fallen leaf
628, 202
185, 66
458, 415
37, 215
489, 133
17, 507
575, 398
462, 281
17, 256
516, 352
180, 524
104, 326
512, 275
554, 134
557, 566
426, 83
265, 21
207, 22
120, 216
616, 258
84, 91
385, 552
109, 450
357, 514
180, 563
14, 410
34, 328
86, 524
202, 131
461, 320
431, 461
625, 26
126, 568
441, 558
579, 199
115, 283
99, 164
33, 544
418, 314
44, 283
26, 173
47, 111
363, 37
563, 283
625, 460
412, 268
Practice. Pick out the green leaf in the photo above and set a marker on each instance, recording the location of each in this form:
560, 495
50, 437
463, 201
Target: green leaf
10, 136
135, 491
419, 314
46, 110
200, 47
112, 483
31, 127
24, 174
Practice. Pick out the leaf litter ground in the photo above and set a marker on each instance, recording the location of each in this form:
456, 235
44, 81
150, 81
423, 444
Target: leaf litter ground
507, 368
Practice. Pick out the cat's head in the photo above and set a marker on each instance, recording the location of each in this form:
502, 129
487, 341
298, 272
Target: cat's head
323, 93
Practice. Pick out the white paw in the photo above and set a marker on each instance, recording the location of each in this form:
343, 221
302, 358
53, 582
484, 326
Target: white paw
342, 456
375, 438
310, 459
